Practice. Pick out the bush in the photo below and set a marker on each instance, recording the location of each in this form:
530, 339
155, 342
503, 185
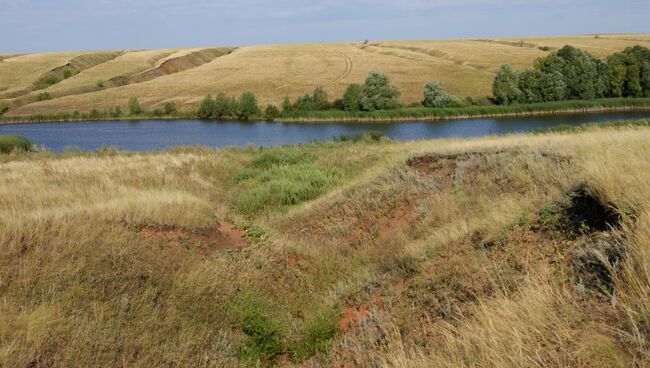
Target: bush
247, 106
305, 103
320, 99
378, 94
134, 106
12, 143
67, 74
253, 315
319, 330
207, 108
435, 96
43, 96
222, 106
505, 87
169, 108
3, 108
352, 98
100, 84
286, 105
115, 112
271, 112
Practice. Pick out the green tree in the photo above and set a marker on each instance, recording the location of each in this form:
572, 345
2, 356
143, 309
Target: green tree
286, 105
134, 106
169, 108
320, 99
221, 106
247, 106
207, 108
436, 96
115, 112
233, 106
305, 103
378, 94
552, 87
271, 112
583, 75
530, 86
352, 98
505, 87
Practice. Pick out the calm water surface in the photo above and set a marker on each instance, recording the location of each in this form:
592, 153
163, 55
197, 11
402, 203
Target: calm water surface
161, 134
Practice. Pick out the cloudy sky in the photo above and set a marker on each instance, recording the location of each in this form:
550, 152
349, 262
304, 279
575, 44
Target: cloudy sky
47, 25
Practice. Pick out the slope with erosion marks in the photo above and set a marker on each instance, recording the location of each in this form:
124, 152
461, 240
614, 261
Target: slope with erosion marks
466, 67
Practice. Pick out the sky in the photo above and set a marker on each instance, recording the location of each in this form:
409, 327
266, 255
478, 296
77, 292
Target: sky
55, 25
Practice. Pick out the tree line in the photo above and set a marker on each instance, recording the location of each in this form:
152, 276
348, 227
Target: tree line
574, 74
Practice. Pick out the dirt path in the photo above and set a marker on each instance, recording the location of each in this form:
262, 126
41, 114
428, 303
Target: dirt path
346, 72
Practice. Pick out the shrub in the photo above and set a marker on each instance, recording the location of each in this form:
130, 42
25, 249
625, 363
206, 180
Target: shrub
352, 98
305, 103
207, 108
11, 143
271, 112
115, 112
3, 108
319, 330
378, 94
286, 105
320, 98
169, 108
247, 106
435, 96
67, 74
43, 96
264, 338
100, 84
221, 106
134, 106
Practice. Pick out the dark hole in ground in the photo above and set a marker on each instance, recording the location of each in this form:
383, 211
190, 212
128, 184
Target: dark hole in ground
597, 260
587, 212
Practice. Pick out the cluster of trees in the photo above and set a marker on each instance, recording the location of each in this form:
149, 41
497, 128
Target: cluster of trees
222, 106
574, 74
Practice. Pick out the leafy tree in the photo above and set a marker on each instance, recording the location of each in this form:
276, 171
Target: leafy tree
629, 72
286, 105
378, 94
233, 106
247, 106
505, 87
530, 86
115, 112
320, 98
169, 108
207, 108
271, 112
352, 98
134, 106
305, 103
436, 96
552, 87
583, 75
221, 106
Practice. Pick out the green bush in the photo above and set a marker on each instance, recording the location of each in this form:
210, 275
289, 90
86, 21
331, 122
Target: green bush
67, 74
134, 106
3, 108
318, 333
436, 96
247, 106
12, 143
169, 108
378, 94
271, 112
253, 315
43, 96
100, 84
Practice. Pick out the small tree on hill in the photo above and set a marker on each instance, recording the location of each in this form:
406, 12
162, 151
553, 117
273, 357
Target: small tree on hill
435, 96
286, 105
247, 106
378, 93
221, 106
352, 98
320, 98
206, 108
134, 106
505, 87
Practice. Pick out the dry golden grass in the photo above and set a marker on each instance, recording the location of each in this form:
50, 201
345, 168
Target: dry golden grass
465, 66
446, 263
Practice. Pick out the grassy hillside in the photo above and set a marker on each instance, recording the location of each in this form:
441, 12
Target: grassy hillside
526, 250
465, 66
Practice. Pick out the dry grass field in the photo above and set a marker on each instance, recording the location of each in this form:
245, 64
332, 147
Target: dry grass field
465, 66
517, 251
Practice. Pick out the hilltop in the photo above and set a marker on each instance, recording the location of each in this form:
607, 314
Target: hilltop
81, 81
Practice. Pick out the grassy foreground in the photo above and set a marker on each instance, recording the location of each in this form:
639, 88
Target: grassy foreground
518, 251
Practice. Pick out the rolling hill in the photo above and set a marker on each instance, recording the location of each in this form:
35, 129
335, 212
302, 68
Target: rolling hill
104, 79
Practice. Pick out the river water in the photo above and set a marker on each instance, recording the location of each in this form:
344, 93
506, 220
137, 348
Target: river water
160, 134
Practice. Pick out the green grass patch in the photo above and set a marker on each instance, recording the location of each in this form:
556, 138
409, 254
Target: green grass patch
318, 332
13, 143
566, 128
279, 178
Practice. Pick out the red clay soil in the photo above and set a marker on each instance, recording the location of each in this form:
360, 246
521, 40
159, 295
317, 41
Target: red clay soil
353, 316
204, 241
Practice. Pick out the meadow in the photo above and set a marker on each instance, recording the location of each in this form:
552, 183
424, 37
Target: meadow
102, 80
504, 251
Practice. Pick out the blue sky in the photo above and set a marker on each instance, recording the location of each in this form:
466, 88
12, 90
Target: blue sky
49, 25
